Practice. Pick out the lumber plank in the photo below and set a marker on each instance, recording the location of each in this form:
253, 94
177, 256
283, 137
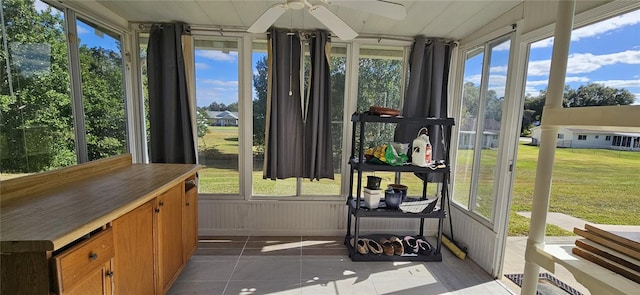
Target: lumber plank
610, 265
606, 242
609, 253
627, 235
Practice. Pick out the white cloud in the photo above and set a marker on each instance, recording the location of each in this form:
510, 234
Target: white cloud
81, 30
217, 55
637, 102
581, 63
220, 82
202, 66
499, 69
596, 29
566, 80
620, 83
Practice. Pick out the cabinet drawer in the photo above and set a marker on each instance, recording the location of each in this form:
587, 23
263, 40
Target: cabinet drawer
78, 261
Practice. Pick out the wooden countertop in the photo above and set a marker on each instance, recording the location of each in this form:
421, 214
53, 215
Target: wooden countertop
49, 220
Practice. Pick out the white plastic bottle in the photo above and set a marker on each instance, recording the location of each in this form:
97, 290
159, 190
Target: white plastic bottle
421, 150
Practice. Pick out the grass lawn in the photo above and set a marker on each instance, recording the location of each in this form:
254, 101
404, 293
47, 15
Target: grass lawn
600, 186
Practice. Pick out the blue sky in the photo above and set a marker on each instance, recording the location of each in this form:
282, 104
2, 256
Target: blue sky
606, 52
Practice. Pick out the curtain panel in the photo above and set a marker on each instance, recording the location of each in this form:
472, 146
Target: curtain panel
171, 131
284, 123
318, 158
426, 94
298, 132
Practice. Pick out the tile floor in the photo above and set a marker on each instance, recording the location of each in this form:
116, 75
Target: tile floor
320, 265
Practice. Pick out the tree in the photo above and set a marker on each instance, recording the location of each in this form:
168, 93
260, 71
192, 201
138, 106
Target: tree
37, 120
592, 94
260, 102
202, 123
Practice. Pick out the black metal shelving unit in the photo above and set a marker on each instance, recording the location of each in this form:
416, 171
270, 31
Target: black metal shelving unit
356, 205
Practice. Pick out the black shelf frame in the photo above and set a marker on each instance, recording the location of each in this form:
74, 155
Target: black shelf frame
356, 211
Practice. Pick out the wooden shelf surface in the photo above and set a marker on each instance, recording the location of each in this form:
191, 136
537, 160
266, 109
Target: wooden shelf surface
48, 220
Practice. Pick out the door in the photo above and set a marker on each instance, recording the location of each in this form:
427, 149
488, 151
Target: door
484, 150
134, 245
190, 223
97, 282
169, 214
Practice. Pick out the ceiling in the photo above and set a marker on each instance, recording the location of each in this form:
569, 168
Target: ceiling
444, 19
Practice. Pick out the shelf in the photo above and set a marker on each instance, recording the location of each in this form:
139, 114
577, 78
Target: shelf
597, 279
366, 117
406, 168
355, 256
390, 213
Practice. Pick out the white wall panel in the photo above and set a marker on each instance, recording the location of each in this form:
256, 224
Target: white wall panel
220, 217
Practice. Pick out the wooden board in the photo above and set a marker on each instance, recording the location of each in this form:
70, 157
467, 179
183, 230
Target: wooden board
609, 253
608, 264
627, 235
606, 242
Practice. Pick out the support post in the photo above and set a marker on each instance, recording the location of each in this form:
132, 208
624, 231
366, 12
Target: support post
548, 141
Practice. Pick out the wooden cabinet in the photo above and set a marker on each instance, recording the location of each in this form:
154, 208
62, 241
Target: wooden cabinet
135, 248
169, 220
103, 227
190, 218
86, 268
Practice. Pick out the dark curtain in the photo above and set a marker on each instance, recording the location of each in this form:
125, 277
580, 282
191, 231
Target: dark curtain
426, 94
171, 131
284, 127
318, 157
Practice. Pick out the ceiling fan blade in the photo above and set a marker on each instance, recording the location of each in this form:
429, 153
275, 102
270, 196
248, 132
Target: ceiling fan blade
267, 19
380, 7
333, 22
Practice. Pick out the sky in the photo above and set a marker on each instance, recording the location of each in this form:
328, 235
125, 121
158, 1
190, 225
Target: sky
607, 52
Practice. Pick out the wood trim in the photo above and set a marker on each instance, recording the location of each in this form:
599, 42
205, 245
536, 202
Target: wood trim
45, 181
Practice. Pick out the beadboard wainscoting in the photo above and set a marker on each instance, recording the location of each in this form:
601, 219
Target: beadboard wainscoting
300, 218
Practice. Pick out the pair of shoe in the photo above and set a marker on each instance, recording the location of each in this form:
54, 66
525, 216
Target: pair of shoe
392, 246
417, 246
366, 245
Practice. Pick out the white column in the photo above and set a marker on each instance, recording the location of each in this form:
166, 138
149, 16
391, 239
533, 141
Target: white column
548, 141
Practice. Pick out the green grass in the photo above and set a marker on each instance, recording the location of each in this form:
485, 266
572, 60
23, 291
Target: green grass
600, 186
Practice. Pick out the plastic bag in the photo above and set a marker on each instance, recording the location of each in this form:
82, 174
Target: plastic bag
385, 154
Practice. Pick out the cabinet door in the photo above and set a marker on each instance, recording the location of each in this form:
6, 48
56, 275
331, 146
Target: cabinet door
170, 257
190, 222
97, 282
134, 245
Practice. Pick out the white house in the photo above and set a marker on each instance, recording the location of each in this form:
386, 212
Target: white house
592, 139
224, 118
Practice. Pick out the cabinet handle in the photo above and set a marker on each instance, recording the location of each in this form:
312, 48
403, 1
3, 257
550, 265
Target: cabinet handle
110, 274
188, 203
93, 256
157, 210
161, 203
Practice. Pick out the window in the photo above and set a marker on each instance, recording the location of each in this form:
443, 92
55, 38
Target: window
217, 116
102, 90
293, 186
485, 69
607, 138
560, 136
582, 137
380, 83
58, 109
36, 131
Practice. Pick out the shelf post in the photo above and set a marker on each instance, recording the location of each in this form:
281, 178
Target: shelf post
546, 153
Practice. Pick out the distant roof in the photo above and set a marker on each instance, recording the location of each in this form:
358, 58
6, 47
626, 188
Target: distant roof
597, 131
222, 115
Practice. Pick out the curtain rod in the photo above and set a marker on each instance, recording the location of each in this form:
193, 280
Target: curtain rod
222, 30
